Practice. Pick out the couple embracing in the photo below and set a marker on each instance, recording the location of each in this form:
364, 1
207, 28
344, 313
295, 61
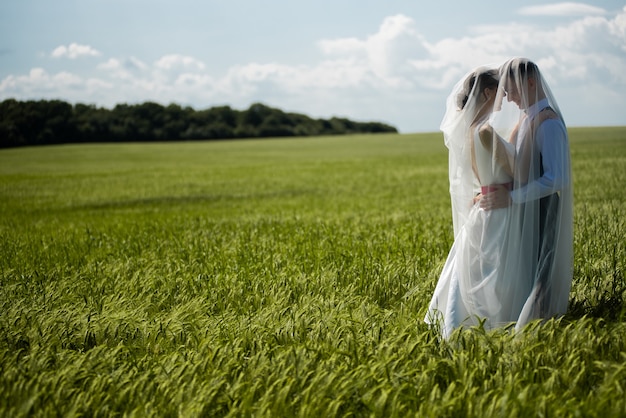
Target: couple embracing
511, 193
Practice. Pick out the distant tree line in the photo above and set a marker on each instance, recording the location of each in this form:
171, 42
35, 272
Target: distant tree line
47, 122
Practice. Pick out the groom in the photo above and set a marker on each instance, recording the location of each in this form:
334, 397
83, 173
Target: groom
542, 175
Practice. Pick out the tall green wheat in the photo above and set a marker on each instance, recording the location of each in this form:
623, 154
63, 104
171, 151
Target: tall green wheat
283, 278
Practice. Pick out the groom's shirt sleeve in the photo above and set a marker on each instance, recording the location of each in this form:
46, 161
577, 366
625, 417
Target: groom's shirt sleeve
553, 146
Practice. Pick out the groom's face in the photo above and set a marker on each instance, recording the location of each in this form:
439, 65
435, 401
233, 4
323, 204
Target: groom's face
523, 99
512, 94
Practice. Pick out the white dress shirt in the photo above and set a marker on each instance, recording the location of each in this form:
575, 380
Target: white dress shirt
551, 141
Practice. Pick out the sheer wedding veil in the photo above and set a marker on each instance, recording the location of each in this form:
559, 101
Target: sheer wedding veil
526, 112
465, 106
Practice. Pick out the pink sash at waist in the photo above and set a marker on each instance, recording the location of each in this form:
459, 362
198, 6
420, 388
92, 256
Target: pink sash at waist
492, 187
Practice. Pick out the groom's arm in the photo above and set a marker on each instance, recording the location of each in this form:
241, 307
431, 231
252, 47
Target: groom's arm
554, 149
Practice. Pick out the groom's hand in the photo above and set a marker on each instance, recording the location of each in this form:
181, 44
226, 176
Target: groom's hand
498, 197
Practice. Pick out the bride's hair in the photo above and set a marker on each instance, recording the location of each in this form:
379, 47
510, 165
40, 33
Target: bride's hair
486, 79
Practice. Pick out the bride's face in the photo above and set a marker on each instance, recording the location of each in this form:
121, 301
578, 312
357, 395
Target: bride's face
488, 98
484, 103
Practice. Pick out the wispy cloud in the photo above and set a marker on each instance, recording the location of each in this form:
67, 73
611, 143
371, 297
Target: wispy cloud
177, 61
562, 9
65, 85
74, 51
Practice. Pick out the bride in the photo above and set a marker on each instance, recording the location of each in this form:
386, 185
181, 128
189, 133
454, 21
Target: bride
482, 280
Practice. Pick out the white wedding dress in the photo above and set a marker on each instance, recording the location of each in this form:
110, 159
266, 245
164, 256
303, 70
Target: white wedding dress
481, 280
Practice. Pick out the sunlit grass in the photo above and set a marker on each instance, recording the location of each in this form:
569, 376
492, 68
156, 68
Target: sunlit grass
283, 278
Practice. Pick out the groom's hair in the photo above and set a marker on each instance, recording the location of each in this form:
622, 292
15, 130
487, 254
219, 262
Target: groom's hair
525, 68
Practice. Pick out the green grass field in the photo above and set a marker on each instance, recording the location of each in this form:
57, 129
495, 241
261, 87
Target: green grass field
290, 277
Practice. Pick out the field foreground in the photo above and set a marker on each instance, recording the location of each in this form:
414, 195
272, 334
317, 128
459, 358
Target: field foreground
283, 278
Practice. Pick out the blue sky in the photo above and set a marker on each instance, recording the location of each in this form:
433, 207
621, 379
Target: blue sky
393, 61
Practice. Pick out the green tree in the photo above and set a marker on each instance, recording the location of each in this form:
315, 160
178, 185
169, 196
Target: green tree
55, 122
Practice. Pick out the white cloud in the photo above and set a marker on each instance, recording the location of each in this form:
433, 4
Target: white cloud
350, 46
617, 28
387, 54
336, 74
126, 69
176, 61
38, 82
135, 64
562, 9
74, 51
110, 65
